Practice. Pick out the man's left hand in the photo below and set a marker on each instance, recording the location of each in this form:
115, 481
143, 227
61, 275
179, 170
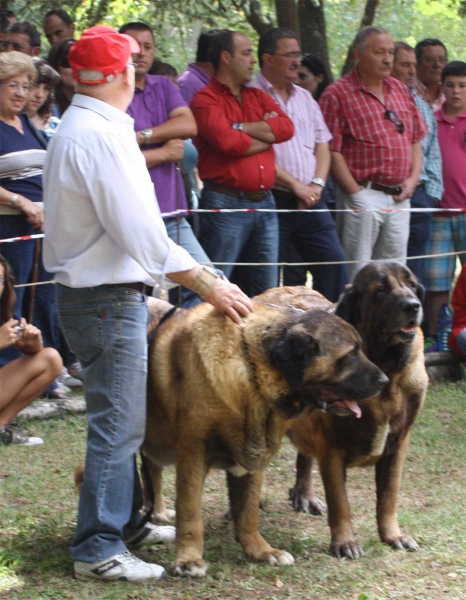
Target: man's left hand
308, 195
407, 190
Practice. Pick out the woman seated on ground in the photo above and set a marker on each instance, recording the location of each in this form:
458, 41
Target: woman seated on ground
22, 380
41, 99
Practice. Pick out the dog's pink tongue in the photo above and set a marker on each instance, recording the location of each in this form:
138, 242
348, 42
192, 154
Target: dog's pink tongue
354, 407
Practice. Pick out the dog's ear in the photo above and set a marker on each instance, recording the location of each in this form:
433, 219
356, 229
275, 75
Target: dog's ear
348, 305
293, 353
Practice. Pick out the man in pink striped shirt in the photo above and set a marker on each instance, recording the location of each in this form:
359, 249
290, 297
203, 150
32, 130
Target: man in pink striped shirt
302, 165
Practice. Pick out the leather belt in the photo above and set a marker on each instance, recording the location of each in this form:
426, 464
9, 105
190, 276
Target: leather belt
392, 190
134, 285
234, 192
284, 195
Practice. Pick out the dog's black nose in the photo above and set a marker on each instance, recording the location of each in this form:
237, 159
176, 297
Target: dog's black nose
411, 307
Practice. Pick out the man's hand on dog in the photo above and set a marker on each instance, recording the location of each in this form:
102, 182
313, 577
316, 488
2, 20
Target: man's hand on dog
228, 298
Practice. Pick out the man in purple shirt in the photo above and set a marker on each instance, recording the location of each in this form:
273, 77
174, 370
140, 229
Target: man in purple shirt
162, 121
198, 73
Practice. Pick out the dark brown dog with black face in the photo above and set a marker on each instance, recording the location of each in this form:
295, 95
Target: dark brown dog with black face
384, 305
222, 396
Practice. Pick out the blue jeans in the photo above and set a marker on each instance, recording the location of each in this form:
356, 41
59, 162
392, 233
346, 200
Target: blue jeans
419, 227
106, 327
241, 237
182, 234
314, 237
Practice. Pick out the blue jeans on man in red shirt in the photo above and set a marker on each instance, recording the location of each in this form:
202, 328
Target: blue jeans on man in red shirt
250, 237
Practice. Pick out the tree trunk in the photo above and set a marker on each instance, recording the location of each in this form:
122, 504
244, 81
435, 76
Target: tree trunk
287, 15
313, 30
255, 17
367, 19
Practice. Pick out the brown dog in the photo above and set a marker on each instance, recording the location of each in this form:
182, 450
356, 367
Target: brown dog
384, 305
222, 396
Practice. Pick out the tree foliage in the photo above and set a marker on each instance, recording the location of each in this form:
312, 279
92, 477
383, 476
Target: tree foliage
325, 27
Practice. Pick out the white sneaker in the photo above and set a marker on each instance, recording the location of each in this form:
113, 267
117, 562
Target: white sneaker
121, 567
68, 380
152, 534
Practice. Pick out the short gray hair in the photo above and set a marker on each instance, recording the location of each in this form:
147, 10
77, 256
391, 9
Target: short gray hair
402, 46
364, 33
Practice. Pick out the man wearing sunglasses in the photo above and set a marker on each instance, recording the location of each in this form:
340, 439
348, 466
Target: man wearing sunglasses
376, 151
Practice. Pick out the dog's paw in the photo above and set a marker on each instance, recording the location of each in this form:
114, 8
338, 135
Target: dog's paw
301, 503
193, 568
349, 549
167, 516
403, 542
280, 558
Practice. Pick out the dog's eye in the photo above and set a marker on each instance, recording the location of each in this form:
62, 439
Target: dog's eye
381, 288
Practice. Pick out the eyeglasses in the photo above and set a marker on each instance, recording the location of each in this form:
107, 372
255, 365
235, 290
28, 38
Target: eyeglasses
15, 86
430, 60
395, 119
290, 55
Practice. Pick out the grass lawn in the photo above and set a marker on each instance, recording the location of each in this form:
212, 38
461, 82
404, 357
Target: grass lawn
38, 508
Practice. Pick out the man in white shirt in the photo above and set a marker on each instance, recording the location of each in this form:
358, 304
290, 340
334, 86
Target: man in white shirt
302, 165
104, 238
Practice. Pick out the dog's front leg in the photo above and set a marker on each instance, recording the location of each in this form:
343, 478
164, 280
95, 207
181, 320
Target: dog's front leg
388, 471
333, 472
190, 474
302, 495
244, 493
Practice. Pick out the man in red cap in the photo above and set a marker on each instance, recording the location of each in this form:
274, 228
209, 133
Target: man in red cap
105, 239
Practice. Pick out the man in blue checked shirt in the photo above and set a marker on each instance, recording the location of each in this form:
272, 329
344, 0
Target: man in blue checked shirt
430, 188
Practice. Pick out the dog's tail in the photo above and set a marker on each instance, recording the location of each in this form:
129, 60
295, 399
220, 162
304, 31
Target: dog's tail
79, 476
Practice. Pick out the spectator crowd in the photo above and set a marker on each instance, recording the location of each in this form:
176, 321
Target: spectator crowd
386, 138
118, 148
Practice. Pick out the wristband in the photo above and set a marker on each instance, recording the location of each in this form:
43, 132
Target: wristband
205, 282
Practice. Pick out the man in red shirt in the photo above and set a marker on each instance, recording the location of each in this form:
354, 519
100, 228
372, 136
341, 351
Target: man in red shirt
376, 151
237, 127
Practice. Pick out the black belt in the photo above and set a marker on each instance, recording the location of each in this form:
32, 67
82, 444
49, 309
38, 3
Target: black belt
392, 190
234, 192
134, 285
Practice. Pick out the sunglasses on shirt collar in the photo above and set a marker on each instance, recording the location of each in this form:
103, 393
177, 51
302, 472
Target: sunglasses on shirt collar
395, 119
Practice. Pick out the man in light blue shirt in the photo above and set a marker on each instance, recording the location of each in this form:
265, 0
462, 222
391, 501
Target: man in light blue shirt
430, 188
105, 238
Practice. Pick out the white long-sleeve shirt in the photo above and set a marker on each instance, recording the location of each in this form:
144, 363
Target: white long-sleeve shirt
102, 225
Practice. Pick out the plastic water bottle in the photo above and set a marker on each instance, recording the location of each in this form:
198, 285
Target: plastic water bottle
444, 321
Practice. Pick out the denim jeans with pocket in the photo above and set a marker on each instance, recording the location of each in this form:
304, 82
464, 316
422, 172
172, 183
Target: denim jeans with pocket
106, 327
241, 237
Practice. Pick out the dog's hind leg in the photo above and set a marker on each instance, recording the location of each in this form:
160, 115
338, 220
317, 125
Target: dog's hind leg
152, 490
244, 493
302, 495
388, 472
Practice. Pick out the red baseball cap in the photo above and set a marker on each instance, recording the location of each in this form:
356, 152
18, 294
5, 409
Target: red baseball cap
101, 49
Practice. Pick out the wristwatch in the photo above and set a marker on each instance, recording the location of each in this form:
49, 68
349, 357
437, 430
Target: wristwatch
237, 126
147, 134
14, 200
318, 181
